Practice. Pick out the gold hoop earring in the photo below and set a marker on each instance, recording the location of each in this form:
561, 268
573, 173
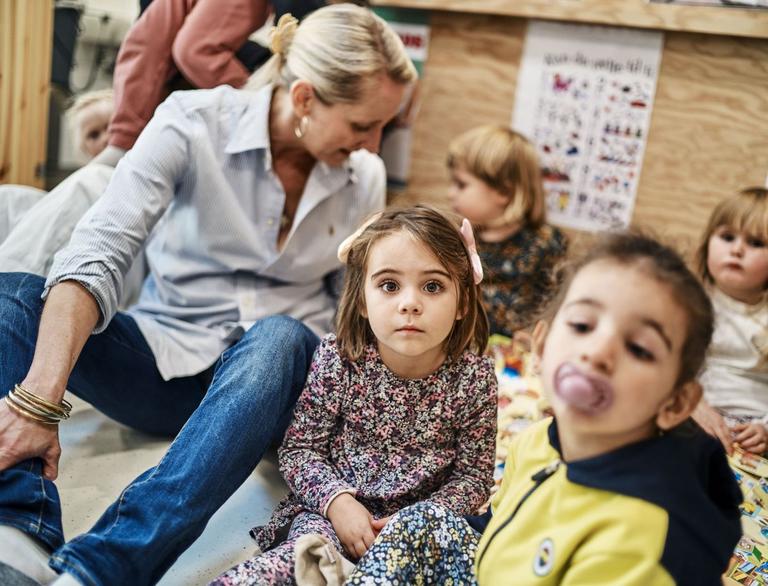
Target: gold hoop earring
301, 128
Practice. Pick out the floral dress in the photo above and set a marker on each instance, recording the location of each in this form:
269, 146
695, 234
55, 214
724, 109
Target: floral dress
389, 441
422, 545
520, 276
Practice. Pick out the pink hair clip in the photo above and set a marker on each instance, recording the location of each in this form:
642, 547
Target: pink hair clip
474, 258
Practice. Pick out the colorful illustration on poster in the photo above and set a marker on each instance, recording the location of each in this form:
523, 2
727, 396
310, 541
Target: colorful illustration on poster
585, 96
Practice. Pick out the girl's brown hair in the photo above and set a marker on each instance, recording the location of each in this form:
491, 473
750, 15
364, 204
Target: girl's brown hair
746, 211
506, 161
666, 266
439, 232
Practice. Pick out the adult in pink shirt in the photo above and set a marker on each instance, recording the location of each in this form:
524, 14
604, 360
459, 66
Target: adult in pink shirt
196, 38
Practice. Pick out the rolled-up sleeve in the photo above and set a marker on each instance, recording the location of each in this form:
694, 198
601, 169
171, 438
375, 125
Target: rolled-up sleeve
111, 234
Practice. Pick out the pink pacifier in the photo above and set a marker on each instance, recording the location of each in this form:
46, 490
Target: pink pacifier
584, 393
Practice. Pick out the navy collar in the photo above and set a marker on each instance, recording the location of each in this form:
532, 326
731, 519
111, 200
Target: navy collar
686, 473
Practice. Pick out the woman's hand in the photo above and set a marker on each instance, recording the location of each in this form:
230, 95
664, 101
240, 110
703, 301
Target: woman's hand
69, 316
352, 523
714, 424
21, 439
752, 437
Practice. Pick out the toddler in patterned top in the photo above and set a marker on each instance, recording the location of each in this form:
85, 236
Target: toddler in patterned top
399, 406
497, 185
733, 262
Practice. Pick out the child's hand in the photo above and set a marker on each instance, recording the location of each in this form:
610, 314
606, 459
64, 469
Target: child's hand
752, 437
714, 424
352, 523
378, 524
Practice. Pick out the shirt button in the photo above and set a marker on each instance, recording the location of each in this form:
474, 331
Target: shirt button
270, 222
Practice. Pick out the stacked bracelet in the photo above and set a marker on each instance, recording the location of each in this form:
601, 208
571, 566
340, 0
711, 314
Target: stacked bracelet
32, 406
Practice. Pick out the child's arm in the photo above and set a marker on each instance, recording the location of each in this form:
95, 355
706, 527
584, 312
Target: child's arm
472, 476
305, 458
305, 452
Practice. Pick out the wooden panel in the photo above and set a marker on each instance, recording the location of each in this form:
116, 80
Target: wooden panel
26, 33
635, 13
708, 135
469, 80
709, 131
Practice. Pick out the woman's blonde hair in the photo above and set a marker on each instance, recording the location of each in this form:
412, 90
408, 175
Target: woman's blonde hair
337, 48
746, 211
440, 233
506, 161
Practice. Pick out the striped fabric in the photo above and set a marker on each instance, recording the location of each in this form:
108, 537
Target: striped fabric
199, 186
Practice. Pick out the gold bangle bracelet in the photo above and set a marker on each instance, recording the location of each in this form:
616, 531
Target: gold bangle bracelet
29, 415
34, 408
63, 409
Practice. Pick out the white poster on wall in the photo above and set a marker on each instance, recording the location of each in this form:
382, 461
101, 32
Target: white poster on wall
584, 97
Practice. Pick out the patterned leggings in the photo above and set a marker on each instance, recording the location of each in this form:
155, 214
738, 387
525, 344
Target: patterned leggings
423, 544
277, 566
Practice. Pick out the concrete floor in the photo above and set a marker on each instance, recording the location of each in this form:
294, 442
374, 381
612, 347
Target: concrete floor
100, 457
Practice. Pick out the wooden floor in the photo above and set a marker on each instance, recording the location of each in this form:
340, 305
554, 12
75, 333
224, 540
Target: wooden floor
100, 457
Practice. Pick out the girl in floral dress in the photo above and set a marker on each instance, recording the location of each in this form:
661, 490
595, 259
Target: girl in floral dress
399, 406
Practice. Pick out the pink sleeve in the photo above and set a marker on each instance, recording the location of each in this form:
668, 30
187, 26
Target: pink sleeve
204, 49
144, 66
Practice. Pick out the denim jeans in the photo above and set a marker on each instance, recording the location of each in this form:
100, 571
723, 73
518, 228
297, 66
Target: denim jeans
223, 430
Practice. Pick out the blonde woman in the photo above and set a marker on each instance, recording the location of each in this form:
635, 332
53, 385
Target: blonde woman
247, 195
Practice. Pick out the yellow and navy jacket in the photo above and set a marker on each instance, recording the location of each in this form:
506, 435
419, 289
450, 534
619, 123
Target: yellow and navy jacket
660, 511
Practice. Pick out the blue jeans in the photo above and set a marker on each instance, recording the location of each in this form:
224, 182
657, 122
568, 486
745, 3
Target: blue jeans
225, 419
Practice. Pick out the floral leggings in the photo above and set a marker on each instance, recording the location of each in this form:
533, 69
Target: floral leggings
278, 565
423, 544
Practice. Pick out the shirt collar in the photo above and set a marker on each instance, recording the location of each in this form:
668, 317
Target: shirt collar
251, 128
252, 133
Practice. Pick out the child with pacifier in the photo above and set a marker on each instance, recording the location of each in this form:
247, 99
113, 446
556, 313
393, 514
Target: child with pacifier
617, 488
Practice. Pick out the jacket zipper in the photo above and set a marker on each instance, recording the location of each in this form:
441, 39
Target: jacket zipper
538, 479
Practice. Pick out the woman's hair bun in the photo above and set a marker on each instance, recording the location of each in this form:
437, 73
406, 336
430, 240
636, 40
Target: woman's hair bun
282, 34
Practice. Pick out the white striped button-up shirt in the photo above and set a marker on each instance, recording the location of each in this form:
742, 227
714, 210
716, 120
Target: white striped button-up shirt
199, 187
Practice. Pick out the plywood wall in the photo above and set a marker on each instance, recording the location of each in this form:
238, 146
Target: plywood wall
708, 136
25, 63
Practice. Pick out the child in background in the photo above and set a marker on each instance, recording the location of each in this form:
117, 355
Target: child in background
497, 185
614, 489
399, 406
90, 116
91, 113
733, 262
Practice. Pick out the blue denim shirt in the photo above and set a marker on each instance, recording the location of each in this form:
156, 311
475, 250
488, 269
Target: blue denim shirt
199, 187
